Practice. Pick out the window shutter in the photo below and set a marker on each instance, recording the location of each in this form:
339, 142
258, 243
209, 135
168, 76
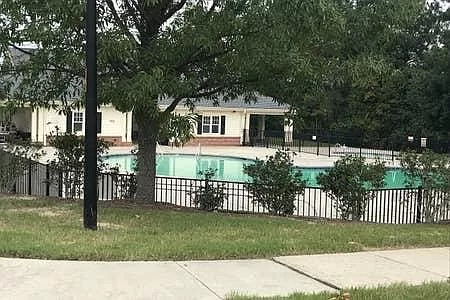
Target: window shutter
99, 122
69, 121
199, 124
222, 125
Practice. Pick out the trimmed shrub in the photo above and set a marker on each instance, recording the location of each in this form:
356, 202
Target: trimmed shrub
350, 183
275, 184
431, 172
209, 197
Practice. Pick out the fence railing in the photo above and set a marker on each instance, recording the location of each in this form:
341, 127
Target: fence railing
332, 144
393, 206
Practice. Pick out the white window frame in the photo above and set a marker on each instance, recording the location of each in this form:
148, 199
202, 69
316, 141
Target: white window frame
78, 121
210, 124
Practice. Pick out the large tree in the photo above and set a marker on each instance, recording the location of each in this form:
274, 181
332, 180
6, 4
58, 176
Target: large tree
183, 50
376, 76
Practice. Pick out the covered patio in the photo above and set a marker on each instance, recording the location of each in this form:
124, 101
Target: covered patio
264, 126
15, 124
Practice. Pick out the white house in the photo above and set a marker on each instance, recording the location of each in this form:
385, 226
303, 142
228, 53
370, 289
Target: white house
226, 124
230, 122
40, 123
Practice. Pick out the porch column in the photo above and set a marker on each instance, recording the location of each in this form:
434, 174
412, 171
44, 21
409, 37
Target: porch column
35, 125
288, 130
128, 127
246, 133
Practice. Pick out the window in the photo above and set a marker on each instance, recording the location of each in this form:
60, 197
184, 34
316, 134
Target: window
211, 124
215, 124
78, 120
206, 124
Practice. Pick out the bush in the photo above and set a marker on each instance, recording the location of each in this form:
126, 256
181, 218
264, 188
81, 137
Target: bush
349, 184
208, 197
70, 152
275, 184
431, 172
15, 160
70, 160
126, 184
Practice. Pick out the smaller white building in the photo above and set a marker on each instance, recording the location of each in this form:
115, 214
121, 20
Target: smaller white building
40, 123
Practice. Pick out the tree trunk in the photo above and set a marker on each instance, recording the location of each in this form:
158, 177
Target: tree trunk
148, 129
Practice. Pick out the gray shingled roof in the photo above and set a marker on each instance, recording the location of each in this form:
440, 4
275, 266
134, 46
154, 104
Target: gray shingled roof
262, 102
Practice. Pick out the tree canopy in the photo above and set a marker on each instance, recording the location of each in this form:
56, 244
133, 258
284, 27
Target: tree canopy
148, 50
334, 60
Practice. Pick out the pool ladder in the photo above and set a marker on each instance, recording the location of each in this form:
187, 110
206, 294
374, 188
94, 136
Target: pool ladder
199, 151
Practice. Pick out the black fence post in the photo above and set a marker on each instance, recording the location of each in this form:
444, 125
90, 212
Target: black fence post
47, 181
60, 184
419, 205
318, 146
360, 146
329, 145
29, 177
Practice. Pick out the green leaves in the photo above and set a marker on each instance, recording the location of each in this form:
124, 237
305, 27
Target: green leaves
178, 129
430, 171
210, 196
275, 184
349, 184
15, 159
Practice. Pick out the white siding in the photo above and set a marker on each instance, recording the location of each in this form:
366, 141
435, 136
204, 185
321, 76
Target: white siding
43, 122
233, 122
114, 123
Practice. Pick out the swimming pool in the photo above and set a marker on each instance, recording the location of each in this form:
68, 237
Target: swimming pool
228, 168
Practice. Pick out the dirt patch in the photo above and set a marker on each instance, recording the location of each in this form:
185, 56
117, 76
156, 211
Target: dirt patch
41, 211
17, 197
106, 225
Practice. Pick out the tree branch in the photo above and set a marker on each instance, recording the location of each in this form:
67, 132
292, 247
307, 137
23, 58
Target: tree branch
198, 94
120, 23
194, 58
173, 10
212, 8
173, 105
131, 11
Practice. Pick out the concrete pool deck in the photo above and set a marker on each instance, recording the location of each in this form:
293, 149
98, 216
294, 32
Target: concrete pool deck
301, 159
280, 276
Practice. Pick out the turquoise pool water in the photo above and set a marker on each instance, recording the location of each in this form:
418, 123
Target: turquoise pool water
228, 168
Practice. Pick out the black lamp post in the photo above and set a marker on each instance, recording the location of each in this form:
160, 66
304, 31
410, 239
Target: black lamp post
90, 136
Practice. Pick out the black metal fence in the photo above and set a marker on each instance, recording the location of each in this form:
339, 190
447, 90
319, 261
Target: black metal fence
338, 144
394, 206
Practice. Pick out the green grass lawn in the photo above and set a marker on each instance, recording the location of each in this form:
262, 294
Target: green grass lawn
52, 229
431, 291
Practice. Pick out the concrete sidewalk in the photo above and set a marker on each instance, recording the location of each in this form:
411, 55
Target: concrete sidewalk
39, 279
